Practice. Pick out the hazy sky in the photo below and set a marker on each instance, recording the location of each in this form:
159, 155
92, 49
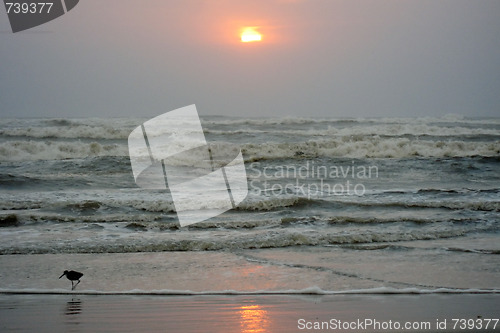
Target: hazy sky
321, 58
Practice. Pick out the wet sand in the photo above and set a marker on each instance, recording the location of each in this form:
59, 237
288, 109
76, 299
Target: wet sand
245, 313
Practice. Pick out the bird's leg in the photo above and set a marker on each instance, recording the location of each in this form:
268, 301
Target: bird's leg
72, 286
77, 283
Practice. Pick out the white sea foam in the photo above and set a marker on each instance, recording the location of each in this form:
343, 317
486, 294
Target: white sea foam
410, 129
371, 147
121, 128
305, 291
110, 239
31, 150
287, 137
157, 202
382, 130
394, 120
68, 132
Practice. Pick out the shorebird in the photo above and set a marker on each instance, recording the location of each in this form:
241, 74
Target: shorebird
72, 276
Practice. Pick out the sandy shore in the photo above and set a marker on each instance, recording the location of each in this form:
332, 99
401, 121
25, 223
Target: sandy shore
247, 313
228, 292
330, 269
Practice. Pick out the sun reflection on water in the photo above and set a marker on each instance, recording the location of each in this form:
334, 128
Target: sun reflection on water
253, 319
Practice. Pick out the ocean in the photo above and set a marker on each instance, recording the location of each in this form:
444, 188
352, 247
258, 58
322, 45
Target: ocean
334, 205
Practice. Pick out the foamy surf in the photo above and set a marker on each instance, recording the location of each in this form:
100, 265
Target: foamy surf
343, 205
306, 291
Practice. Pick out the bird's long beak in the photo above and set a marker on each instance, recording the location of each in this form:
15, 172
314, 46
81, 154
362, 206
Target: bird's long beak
62, 275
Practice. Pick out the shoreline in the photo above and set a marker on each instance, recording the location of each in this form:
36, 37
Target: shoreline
313, 291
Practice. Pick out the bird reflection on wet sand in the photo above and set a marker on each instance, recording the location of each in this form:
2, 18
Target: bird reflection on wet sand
73, 307
72, 313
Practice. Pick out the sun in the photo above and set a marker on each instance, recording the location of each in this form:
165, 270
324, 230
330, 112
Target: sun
250, 34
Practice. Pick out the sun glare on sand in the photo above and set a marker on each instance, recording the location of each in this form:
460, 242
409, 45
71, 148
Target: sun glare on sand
250, 34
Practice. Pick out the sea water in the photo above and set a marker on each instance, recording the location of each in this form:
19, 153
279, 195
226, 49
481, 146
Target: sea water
408, 204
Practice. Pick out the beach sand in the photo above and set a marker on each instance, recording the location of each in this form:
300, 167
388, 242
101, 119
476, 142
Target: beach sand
237, 292
292, 268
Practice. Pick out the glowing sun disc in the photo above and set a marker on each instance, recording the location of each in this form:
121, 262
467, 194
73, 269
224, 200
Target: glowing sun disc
250, 35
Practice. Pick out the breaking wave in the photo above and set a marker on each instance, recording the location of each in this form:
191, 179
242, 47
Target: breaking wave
68, 132
370, 147
349, 121
264, 138
189, 242
57, 150
393, 130
343, 148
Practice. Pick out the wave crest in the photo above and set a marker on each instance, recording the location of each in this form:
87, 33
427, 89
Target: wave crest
57, 150
370, 147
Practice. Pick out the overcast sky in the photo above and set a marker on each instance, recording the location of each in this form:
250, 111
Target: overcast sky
320, 58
